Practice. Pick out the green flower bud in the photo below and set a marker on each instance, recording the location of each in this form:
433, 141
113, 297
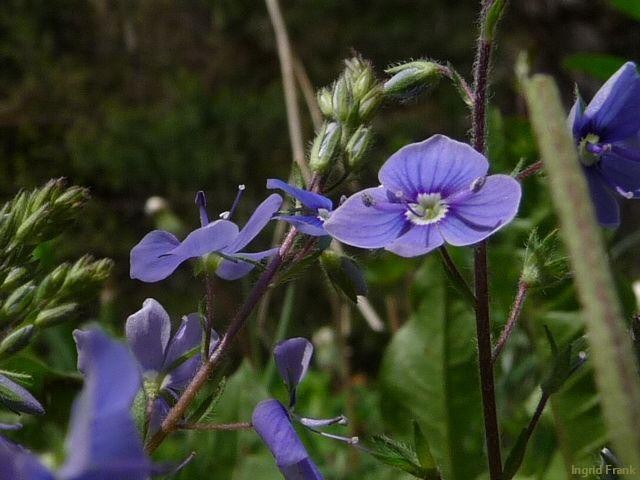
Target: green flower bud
51, 284
409, 77
13, 277
207, 264
344, 274
18, 301
370, 102
357, 147
325, 147
28, 229
17, 340
73, 197
342, 100
53, 316
325, 102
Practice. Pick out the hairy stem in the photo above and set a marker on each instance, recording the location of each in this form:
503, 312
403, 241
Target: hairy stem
483, 319
514, 315
530, 170
217, 426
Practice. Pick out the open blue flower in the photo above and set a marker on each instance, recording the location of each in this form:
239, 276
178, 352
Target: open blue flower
274, 422
607, 133
103, 442
317, 209
17, 399
168, 363
159, 253
431, 192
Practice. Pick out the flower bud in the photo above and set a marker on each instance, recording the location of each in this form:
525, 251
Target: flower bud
13, 277
325, 147
16, 340
342, 100
411, 77
357, 147
370, 102
28, 229
53, 316
18, 301
325, 102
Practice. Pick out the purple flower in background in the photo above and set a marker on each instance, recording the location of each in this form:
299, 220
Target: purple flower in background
274, 422
431, 192
17, 399
167, 362
607, 133
103, 443
317, 209
159, 253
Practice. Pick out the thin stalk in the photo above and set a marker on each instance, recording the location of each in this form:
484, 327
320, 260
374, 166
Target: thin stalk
217, 426
514, 315
455, 276
483, 320
530, 170
542, 403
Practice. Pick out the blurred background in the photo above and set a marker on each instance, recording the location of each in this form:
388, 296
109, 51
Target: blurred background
157, 98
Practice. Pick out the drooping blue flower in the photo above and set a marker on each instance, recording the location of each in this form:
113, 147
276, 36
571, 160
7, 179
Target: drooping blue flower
317, 209
431, 192
274, 422
167, 362
17, 399
607, 133
103, 442
159, 253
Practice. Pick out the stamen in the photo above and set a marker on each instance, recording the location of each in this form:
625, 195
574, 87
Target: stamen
340, 438
235, 202
201, 202
323, 214
624, 193
367, 200
224, 215
316, 422
477, 184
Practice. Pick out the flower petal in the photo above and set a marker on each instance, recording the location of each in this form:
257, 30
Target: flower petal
261, 216
187, 337
474, 216
148, 332
103, 442
17, 463
420, 239
233, 270
367, 219
621, 169
210, 238
576, 119
437, 165
309, 199
306, 224
606, 205
150, 261
613, 111
159, 411
17, 399
271, 421
293, 357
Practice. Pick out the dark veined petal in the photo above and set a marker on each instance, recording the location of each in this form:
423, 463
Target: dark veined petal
261, 216
237, 268
103, 443
367, 219
187, 337
606, 205
16, 463
436, 165
420, 239
621, 169
159, 411
613, 111
18, 399
307, 224
293, 357
150, 261
271, 421
474, 216
213, 237
148, 332
576, 119
309, 199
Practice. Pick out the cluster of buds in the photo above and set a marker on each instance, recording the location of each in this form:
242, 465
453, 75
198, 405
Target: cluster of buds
348, 106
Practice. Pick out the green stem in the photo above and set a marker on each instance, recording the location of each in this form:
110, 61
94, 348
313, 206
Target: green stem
455, 276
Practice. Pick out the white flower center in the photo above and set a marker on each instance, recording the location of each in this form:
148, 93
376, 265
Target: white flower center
430, 208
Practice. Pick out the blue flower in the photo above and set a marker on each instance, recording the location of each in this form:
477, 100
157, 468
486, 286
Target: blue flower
17, 399
607, 133
167, 362
159, 253
431, 192
317, 209
274, 422
103, 442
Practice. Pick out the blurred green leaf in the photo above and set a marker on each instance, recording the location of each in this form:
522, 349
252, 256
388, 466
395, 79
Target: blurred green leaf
598, 65
628, 7
429, 373
398, 455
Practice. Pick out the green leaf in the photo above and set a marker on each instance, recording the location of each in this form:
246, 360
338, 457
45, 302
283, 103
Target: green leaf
423, 451
629, 7
429, 373
397, 455
598, 65
516, 455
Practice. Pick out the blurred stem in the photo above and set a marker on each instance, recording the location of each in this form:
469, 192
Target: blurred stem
483, 320
285, 56
208, 283
281, 332
217, 426
308, 92
530, 170
514, 315
455, 276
